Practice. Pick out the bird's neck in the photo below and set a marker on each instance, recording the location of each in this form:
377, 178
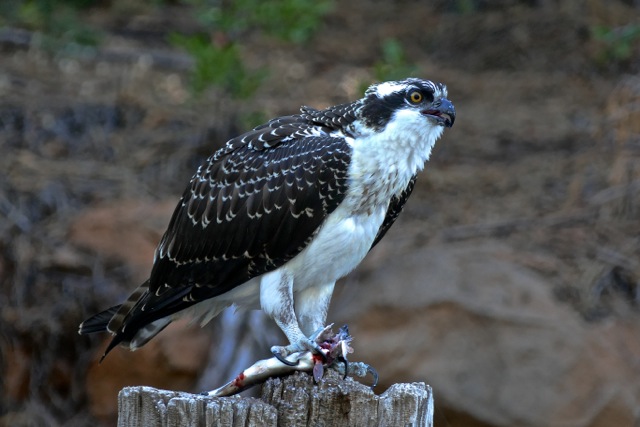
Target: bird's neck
383, 163
393, 151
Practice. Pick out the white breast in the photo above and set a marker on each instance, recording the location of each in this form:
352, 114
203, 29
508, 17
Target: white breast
340, 245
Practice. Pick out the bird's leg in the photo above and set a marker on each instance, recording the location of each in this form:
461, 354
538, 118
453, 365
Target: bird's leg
311, 305
276, 299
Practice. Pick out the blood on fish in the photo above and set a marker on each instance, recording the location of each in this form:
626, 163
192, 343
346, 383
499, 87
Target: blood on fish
238, 382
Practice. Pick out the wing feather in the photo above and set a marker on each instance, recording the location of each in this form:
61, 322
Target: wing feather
395, 207
251, 207
200, 257
248, 223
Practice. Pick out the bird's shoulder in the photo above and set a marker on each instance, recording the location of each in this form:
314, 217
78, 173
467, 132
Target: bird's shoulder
255, 204
310, 122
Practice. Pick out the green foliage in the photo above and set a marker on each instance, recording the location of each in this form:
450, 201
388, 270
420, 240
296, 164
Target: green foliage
290, 20
58, 22
393, 65
466, 7
616, 44
218, 65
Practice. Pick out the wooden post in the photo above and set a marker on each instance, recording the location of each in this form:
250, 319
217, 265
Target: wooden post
286, 402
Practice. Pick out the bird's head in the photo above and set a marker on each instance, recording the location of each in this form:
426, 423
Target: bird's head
422, 104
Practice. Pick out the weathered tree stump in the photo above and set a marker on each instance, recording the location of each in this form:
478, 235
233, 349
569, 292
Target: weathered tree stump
149, 407
286, 402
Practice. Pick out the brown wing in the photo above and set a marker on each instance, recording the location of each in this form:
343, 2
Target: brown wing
251, 207
244, 213
248, 213
395, 207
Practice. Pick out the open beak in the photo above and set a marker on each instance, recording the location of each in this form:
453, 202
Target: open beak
443, 111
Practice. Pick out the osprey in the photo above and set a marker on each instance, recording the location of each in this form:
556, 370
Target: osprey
277, 215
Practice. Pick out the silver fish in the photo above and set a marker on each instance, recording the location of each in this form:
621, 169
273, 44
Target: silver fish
335, 348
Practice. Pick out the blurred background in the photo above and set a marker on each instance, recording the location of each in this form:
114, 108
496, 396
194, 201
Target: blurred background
510, 283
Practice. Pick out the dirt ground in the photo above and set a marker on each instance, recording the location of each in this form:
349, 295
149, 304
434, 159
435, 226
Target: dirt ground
544, 157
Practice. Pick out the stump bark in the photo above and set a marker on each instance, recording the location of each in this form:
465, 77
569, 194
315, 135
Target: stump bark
285, 402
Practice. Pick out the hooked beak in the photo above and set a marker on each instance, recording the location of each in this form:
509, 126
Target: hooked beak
443, 111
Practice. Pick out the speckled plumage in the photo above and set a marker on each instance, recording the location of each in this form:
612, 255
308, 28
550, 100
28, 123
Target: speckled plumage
284, 210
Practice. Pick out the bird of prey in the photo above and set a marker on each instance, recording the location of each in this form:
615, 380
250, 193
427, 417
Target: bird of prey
281, 212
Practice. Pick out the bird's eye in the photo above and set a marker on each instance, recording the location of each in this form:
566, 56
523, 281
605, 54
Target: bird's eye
415, 97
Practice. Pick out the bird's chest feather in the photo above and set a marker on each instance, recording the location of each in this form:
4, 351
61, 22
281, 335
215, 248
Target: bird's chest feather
382, 165
340, 245
375, 176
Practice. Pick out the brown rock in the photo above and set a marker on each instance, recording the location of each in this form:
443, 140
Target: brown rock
128, 231
490, 338
17, 374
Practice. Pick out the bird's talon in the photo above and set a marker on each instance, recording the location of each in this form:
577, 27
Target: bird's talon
277, 352
346, 366
374, 374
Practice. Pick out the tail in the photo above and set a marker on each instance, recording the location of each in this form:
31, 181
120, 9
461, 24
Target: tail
127, 322
98, 322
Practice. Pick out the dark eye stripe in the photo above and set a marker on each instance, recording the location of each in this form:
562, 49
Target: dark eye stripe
377, 110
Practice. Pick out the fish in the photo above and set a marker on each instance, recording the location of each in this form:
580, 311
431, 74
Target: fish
334, 347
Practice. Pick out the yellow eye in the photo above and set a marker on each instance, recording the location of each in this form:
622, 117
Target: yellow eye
415, 97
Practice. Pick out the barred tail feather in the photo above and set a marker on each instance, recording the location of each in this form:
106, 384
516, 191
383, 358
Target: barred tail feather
144, 334
98, 322
118, 319
133, 323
